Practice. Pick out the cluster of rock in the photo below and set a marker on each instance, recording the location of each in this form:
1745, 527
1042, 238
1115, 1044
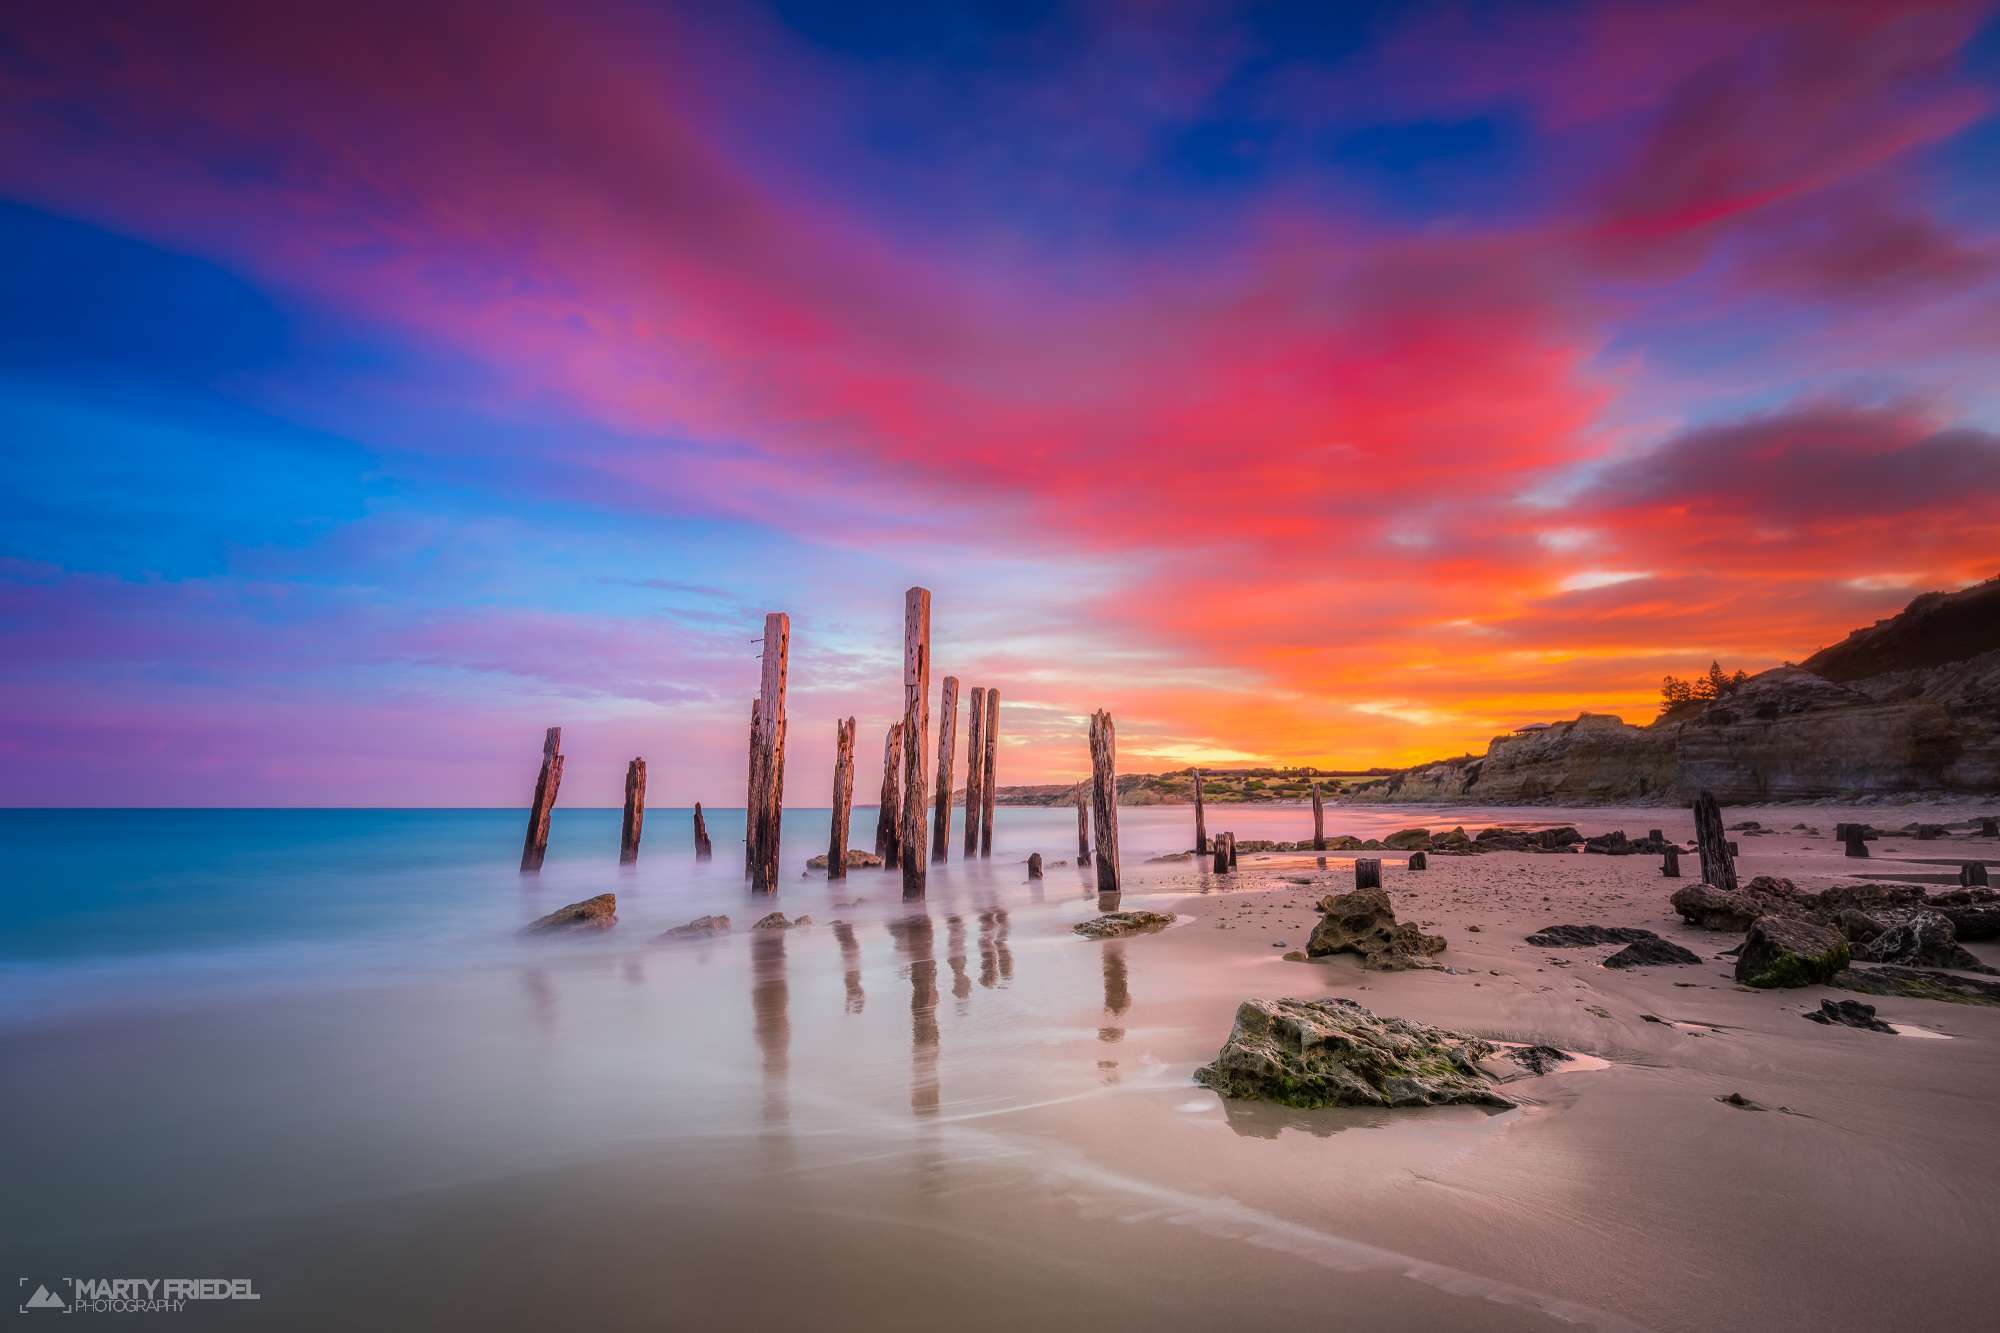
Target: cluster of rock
1795, 938
1457, 842
1363, 922
1643, 948
1333, 1052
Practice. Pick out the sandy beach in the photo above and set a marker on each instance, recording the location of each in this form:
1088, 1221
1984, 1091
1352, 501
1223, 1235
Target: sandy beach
964, 1112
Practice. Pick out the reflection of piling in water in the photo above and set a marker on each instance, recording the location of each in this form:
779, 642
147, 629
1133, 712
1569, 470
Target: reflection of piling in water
541, 998
1117, 991
770, 1008
915, 941
850, 953
996, 960
961, 981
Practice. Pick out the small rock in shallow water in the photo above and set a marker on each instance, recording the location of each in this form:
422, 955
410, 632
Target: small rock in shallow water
1113, 924
1333, 1052
1651, 953
1539, 1059
599, 913
1848, 1014
700, 928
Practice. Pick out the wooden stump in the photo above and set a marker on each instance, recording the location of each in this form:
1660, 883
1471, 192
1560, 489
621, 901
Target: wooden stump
1082, 825
890, 804
1420, 861
1034, 865
1656, 835
536, 845
947, 741
1367, 872
635, 812
1319, 821
1718, 868
1230, 838
1103, 797
843, 799
1670, 863
1989, 827
750, 791
916, 737
1200, 819
988, 785
975, 767
1972, 875
765, 816
1857, 845
1220, 843
703, 849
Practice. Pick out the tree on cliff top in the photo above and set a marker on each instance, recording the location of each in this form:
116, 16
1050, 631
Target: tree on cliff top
1714, 685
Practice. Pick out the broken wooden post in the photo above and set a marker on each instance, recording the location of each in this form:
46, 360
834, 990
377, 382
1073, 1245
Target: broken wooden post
1420, 861
635, 812
1103, 797
1717, 869
703, 849
843, 798
988, 788
916, 735
546, 782
1082, 825
767, 802
1857, 841
947, 739
1670, 863
1230, 838
1972, 875
1367, 872
750, 794
1220, 846
975, 767
1989, 826
1034, 865
1319, 821
1200, 819
890, 807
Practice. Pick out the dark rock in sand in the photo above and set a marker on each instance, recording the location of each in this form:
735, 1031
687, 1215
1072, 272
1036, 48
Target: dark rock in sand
599, 913
1455, 843
699, 929
1789, 951
1974, 913
1651, 953
1529, 840
1333, 1052
1362, 922
1918, 984
1539, 1059
1927, 939
1582, 937
1711, 908
1848, 1014
1408, 840
1114, 924
856, 860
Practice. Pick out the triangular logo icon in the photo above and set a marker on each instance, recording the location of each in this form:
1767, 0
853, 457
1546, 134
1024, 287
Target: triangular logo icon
44, 1299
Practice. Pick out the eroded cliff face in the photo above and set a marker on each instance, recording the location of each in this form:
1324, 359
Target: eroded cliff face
1789, 734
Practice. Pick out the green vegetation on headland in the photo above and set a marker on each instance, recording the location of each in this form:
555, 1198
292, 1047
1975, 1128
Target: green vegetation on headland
1220, 786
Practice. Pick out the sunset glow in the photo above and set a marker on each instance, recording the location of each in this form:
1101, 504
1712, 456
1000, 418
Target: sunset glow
386, 383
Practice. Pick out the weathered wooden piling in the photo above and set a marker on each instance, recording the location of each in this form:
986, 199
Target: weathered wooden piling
888, 838
1670, 863
1103, 797
1034, 865
1082, 825
988, 785
1230, 838
1319, 821
1972, 875
536, 845
947, 741
750, 792
766, 813
916, 736
635, 812
1989, 826
843, 799
1221, 845
1656, 835
1420, 861
1857, 841
1367, 872
1200, 819
703, 849
1718, 869
975, 766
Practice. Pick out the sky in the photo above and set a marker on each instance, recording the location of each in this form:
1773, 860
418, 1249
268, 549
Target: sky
1306, 384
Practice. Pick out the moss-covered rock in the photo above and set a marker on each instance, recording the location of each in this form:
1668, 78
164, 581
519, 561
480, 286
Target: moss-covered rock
1786, 952
1915, 983
1333, 1052
1114, 924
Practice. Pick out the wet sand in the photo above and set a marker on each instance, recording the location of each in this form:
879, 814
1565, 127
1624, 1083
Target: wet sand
965, 1114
